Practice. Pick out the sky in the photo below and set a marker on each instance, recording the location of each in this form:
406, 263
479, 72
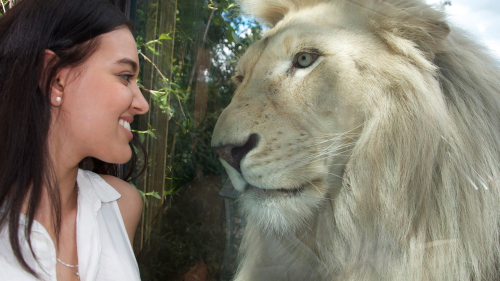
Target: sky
480, 17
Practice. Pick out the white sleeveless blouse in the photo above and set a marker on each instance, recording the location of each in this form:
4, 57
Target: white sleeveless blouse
104, 251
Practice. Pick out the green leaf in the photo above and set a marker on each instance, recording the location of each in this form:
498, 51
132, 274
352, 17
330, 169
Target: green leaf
143, 197
167, 192
236, 38
164, 36
216, 21
156, 195
230, 37
154, 41
152, 134
135, 149
152, 49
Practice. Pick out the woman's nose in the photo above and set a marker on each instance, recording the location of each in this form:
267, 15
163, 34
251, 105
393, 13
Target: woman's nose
139, 103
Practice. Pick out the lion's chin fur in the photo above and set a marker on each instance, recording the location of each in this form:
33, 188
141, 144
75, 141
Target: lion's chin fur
419, 193
279, 214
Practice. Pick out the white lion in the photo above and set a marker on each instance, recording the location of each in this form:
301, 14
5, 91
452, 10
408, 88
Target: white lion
365, 139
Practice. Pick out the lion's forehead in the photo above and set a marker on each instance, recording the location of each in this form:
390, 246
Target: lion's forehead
280, 44
251, 56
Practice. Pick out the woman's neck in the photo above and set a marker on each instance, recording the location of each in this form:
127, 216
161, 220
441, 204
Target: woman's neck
64, 170
64, 162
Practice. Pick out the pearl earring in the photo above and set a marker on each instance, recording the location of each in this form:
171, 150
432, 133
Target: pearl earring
58, 99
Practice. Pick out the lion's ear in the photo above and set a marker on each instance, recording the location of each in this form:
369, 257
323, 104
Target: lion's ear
419, 26
428, 38
272, 11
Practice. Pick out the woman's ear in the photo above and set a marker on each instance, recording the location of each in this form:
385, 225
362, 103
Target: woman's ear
57, 84
56, 92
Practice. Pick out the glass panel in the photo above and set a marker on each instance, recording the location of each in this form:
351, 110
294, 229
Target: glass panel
374, 212
190, 224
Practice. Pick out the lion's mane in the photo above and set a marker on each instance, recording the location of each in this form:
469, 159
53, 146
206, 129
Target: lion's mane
420, 191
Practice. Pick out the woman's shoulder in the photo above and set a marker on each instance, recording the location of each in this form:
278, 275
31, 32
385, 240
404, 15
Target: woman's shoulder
130, 202
107, 185
127, 191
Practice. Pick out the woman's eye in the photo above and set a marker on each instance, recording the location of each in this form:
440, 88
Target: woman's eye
126, 76
303, 60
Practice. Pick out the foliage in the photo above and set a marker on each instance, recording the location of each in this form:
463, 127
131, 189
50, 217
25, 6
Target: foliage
192, 150
5, 6
185, 236
142, 134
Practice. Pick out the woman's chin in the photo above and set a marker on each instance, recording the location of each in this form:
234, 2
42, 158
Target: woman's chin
117, 157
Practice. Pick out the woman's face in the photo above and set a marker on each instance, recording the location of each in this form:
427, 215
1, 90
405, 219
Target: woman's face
99, 100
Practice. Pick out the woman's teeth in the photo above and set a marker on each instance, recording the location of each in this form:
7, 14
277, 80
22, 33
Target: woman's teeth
125, 124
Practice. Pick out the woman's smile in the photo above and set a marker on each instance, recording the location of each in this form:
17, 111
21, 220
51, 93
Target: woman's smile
126, 125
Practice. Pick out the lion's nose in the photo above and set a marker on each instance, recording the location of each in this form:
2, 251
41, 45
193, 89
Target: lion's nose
233, 154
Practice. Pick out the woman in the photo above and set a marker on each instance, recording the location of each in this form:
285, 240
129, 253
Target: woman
68, 93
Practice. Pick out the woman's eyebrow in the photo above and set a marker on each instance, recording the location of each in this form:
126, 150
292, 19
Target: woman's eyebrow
128, 61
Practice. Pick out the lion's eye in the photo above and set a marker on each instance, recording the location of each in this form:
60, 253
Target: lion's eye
303, 60
238, 79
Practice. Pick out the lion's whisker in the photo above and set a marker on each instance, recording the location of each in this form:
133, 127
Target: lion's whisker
323, 172
323, 156
328, 151
311, 183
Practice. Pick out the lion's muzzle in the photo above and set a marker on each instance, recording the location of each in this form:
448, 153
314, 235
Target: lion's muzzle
233, 154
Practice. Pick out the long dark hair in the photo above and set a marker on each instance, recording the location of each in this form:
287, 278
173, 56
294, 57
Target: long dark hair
69, 28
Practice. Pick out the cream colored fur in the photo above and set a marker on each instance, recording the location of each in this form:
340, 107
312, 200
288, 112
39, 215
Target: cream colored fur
389, 144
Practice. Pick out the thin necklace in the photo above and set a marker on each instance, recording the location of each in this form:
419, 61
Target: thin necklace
71, 266
66, 264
